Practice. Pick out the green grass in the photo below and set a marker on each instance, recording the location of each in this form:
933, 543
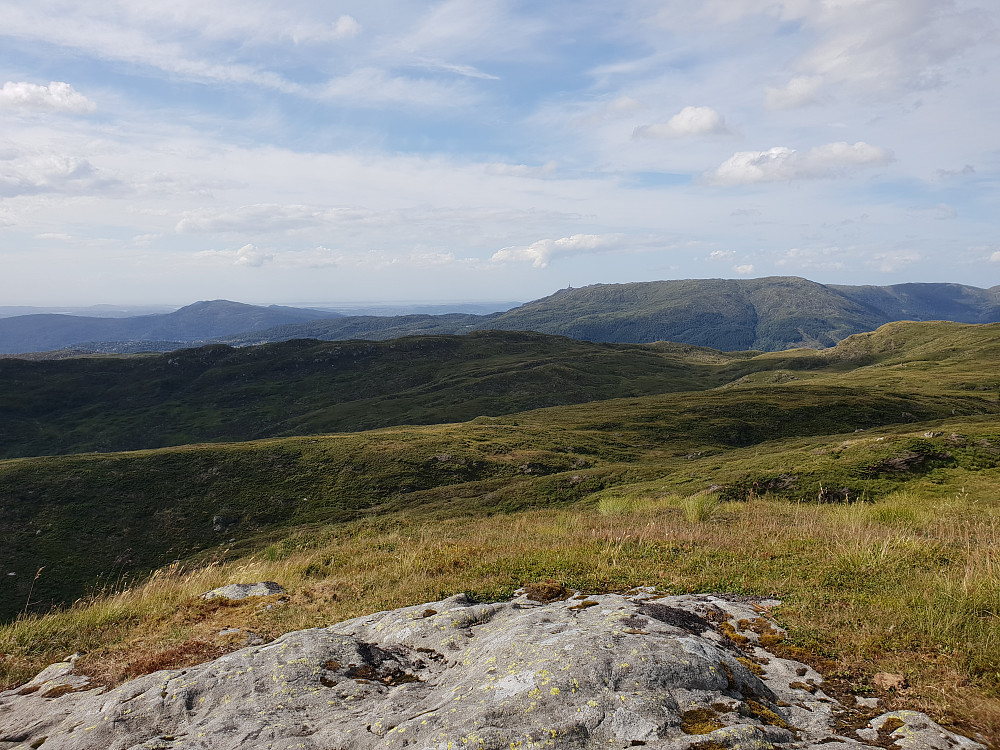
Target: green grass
133, 512
915, 592
218, 394
221, 394
859, 485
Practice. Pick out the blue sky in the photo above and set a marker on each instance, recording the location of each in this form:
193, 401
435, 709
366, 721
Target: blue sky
325, 152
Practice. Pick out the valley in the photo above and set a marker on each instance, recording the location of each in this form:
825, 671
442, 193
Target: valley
855, 483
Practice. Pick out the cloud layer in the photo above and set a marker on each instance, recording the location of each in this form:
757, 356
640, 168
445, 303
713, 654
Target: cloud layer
56, 97
308, 152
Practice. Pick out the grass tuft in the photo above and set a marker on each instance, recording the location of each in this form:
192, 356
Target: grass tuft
700, 507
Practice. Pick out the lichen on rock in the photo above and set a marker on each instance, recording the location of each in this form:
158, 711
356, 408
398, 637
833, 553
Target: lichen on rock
625, 671
244, 590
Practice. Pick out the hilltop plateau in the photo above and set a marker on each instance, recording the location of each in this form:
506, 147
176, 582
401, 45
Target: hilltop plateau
768, 314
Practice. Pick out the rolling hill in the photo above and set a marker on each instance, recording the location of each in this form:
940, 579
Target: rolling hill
217, 393
199, 322
154, 504
855, 483
769, 314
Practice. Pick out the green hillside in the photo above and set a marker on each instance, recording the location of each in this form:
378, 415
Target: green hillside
135, 511
767, 314
368, 327
303, 387
857, 484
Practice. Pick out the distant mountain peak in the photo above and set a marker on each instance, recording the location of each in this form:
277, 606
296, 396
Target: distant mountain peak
769, 313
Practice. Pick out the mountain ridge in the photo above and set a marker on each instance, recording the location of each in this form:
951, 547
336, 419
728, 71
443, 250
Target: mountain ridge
766, 314
193, 323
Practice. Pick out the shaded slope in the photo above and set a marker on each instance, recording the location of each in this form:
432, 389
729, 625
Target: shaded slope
792, 312
367, 327
955, 302
300, 387
768, 314
308, 387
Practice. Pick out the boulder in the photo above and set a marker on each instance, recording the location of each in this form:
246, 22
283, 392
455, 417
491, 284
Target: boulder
244, 590
610, 671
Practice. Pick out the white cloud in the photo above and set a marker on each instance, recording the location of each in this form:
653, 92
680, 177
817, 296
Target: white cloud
371, 85
624, 105
995, 258
467, 71
479, 29
744, 270
689, 121
826, 258
894, 261
721, 255
259, 217
345, 26
540, 253
31, 174
861, 47
248, 255
56, 97
318, 257
433, 259
523, 170
801, 91
167, 37
782, 164
871, 46
592, 113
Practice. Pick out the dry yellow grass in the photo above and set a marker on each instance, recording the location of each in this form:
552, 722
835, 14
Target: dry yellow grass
910, 584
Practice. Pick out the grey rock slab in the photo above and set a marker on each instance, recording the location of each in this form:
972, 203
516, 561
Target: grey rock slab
244, 590
912, 730
606, 671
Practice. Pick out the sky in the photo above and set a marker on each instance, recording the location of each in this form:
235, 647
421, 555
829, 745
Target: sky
320, 152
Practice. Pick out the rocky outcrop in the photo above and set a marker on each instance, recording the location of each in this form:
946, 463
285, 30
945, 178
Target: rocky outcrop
604, 671
244, 590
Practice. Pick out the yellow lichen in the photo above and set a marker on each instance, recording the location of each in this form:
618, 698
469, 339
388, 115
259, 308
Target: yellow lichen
700, 721
765, 715
751, 665
891, 725
708, 745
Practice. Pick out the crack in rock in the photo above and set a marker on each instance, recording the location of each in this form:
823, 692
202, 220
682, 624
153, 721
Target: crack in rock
674, 672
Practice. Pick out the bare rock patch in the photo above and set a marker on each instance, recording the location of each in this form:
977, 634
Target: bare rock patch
673, 672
